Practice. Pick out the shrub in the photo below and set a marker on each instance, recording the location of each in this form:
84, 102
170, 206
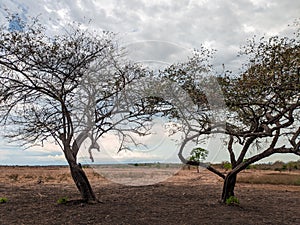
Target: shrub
3, 200
62, 200
232, 200
226, 165
295, 167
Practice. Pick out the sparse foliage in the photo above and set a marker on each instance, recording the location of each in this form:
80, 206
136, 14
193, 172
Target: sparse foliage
198, 154
62, 200
263, 106
232, 200
66, 89
3, 200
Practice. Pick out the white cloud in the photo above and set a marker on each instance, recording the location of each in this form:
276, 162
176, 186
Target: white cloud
159, 146
220, 24
48, 147
188, 23
248, 28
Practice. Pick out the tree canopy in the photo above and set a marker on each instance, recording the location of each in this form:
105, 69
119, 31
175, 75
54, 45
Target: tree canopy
77, 86
66, 88
260, 107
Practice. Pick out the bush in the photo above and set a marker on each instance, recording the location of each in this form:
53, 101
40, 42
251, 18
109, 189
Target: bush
232, 200
295, 167
3, 200
62, 200
226, 165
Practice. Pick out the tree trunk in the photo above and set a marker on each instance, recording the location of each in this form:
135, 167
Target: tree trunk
229, 185
82, 183
79, 176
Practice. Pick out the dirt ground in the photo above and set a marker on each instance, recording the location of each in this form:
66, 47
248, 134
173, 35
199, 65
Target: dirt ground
186, 198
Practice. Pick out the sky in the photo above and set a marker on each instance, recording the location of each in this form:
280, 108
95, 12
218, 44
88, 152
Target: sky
161, 31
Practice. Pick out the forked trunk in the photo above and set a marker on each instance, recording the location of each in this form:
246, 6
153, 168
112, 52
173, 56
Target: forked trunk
82, 183
229, 185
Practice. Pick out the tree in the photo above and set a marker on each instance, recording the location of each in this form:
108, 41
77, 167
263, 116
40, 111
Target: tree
198, 155
66, 89
262, 102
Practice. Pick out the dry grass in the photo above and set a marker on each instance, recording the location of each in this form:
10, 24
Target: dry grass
271, 178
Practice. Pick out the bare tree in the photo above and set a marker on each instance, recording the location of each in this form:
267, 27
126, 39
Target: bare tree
67, 89
262, 105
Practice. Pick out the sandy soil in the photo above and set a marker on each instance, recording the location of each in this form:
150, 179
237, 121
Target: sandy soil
187, 197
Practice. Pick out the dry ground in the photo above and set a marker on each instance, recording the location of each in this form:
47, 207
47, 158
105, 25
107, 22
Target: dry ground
186, 198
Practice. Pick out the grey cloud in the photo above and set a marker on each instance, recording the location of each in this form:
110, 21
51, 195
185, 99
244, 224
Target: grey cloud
224, 25
189, 23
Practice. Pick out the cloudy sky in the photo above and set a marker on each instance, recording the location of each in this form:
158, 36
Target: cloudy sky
177, 25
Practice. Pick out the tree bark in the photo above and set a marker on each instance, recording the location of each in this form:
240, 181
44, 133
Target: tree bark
229, 185
80, 178
82, 183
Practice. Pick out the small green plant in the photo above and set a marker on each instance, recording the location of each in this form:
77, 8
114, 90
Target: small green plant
226, 165
3, 200
232, 200
62, 200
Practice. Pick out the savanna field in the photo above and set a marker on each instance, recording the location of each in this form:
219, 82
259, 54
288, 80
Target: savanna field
36, 195
150, 81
